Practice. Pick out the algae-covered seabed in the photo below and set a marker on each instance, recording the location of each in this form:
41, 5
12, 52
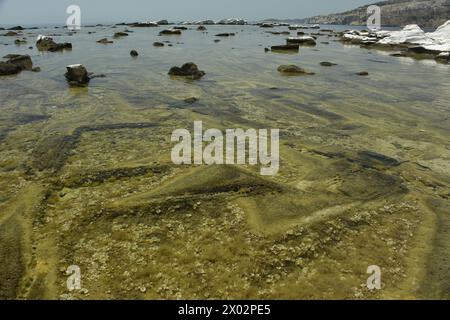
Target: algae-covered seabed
86, 177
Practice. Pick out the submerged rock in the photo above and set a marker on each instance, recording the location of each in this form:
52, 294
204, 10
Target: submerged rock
158, 44
105, 41
327, 64
225, 34
191, 100
293, 70
120, 35
287, 47
362, 73
77, 75
20, 41
45, 43
11, 34
189, 69
169, 32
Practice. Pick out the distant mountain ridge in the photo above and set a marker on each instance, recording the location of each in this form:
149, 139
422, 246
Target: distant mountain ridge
425, 13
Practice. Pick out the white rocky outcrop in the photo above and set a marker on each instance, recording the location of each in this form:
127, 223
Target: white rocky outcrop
437, 41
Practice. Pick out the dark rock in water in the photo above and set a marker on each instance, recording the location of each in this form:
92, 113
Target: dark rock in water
20, 41
47, 44
170, 32
22, 61
162, 22
134, 53
187, 70
266, 25
300, 33
15, 64
8, 69
143, 24
191, 100
217, 40
225, 34
266, 49
105, 41
327, 64
179, 28
158, 44
37, 69
120, 34
77, 75
398, 54
17, 28
288, 47
325, 42
362, 73
422, 50
11, 34
293, 70
310, 41
201, 28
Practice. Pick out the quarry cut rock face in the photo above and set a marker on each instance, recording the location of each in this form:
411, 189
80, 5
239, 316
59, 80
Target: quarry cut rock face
88, 183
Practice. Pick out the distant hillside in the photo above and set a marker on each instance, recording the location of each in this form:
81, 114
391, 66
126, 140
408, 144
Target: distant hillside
425, 13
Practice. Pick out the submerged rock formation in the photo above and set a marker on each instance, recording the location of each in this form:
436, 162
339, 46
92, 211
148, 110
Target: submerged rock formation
293, 70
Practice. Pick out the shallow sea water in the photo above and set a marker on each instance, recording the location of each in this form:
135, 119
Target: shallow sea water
373, 149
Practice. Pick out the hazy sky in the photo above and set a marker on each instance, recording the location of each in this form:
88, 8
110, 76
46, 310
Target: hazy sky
54, 11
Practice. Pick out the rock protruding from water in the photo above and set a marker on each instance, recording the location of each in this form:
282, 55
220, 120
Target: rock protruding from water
306, 40
189, 70
170, 32
287, 47
201, 28
327, 64
293, 70
15, 64
134, 53
105, 41
77, 75
45, 43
